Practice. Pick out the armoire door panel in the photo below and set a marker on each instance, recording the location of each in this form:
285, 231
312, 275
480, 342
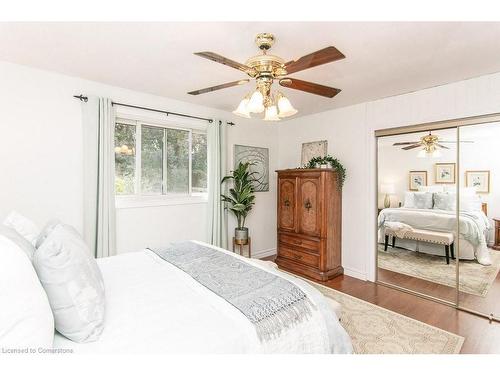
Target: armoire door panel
310, 206
287, 205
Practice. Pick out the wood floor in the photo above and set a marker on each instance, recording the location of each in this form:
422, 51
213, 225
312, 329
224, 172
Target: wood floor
481, 336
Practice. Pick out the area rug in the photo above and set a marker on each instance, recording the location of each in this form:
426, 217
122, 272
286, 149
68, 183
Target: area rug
474, 278
375, 330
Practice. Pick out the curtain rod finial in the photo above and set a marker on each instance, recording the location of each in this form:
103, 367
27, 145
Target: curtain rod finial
81, 97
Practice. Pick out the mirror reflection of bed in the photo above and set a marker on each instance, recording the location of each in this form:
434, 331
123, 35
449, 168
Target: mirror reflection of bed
418, 243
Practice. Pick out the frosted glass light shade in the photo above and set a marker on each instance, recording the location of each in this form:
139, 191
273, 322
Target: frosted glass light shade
436, 154
242, 109
271, 114
256, 103
422, 154
285, 107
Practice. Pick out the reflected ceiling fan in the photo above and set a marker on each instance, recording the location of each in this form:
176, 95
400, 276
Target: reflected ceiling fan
430, 145
265, 68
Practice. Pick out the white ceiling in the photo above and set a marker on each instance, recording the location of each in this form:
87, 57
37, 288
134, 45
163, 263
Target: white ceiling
382, 59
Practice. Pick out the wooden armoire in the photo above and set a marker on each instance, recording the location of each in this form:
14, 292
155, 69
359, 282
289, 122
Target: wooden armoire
310, 222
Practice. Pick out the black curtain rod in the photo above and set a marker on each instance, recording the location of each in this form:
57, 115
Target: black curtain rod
168, 113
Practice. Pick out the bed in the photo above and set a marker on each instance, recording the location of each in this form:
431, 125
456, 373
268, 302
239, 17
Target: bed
154, 307
474, 230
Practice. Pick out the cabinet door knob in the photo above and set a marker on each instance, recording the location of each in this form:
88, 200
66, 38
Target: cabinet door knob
287, 202
296, 256
308, 205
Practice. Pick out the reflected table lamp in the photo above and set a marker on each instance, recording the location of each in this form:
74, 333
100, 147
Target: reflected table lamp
387, 189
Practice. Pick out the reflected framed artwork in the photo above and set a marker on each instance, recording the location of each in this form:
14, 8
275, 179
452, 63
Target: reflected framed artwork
313, 149
445, 173
417, 179
479, 180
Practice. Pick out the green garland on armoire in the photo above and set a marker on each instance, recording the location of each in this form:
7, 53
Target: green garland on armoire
334, 163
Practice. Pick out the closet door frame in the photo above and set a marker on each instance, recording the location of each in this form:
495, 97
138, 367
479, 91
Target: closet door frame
437, 125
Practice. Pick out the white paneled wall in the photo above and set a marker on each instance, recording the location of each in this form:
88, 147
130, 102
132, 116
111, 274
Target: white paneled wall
350, 134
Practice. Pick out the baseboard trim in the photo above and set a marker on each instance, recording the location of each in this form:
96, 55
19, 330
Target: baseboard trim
354, 273
263, 253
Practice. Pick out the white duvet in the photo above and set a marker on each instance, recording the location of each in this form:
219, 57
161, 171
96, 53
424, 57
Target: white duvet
473, 225
153, 307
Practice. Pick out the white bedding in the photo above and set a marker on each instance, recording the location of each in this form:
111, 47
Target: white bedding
474, 228
153, 307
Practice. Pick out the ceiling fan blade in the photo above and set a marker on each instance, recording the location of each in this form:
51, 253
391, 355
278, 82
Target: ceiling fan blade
219, 87
441, 146
456, 141
313, 88
323, 56
223, 60
412, 146
405, 143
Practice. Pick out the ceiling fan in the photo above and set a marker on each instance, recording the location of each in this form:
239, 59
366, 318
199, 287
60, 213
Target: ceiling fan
265, 69
430, 144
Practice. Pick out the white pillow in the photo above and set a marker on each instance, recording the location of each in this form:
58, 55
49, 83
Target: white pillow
423, 200
470, 203
445, 201
409, 200
450, 188
431, 188
26, 320
19, 240
24, 226
73, 283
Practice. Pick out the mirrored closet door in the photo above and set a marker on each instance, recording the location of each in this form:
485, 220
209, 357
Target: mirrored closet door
417, 212
479, 175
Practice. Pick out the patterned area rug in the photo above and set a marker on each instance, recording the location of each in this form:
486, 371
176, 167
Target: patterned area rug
474, 278
375, 330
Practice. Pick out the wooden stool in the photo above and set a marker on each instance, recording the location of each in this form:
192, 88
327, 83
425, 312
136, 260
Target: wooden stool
242, 247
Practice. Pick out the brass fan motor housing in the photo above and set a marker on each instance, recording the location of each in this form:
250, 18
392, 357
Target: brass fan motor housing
267, 65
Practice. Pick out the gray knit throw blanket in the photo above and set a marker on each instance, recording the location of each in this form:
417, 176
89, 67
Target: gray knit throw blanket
271, 303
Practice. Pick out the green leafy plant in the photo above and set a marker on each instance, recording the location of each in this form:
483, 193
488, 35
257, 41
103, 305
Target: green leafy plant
334, 163
241, 196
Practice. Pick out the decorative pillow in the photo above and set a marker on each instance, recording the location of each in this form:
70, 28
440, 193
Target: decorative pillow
423, 200
73, 283
19, 240
48, 228
470, 203
24, 226
431, 189
26, 320
409, 200
445, 201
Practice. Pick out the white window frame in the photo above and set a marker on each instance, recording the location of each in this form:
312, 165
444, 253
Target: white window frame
140, 199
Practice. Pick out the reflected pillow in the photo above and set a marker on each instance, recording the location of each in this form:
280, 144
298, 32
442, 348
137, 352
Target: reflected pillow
431, 189
445, 201
409, 200
470, 203
73, 283
423, 200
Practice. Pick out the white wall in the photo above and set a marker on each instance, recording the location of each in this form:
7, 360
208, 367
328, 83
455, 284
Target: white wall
41, 159
350, 133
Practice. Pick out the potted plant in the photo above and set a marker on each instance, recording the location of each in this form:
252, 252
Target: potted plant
241, 199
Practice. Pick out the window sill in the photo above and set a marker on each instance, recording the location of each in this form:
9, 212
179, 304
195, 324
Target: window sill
144, 201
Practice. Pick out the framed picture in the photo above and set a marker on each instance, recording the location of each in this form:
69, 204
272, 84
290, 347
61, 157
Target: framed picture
478, 179
417, 178
445, 173
313, 149
259, 156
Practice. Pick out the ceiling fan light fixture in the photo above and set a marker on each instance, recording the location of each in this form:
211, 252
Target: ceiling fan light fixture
242, 109
436, 154
256, 103
271, 113
285, 107
422, 153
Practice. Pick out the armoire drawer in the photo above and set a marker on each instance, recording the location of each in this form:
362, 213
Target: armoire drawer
298, 256
305, 243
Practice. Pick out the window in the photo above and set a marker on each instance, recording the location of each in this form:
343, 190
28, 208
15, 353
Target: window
155, 160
